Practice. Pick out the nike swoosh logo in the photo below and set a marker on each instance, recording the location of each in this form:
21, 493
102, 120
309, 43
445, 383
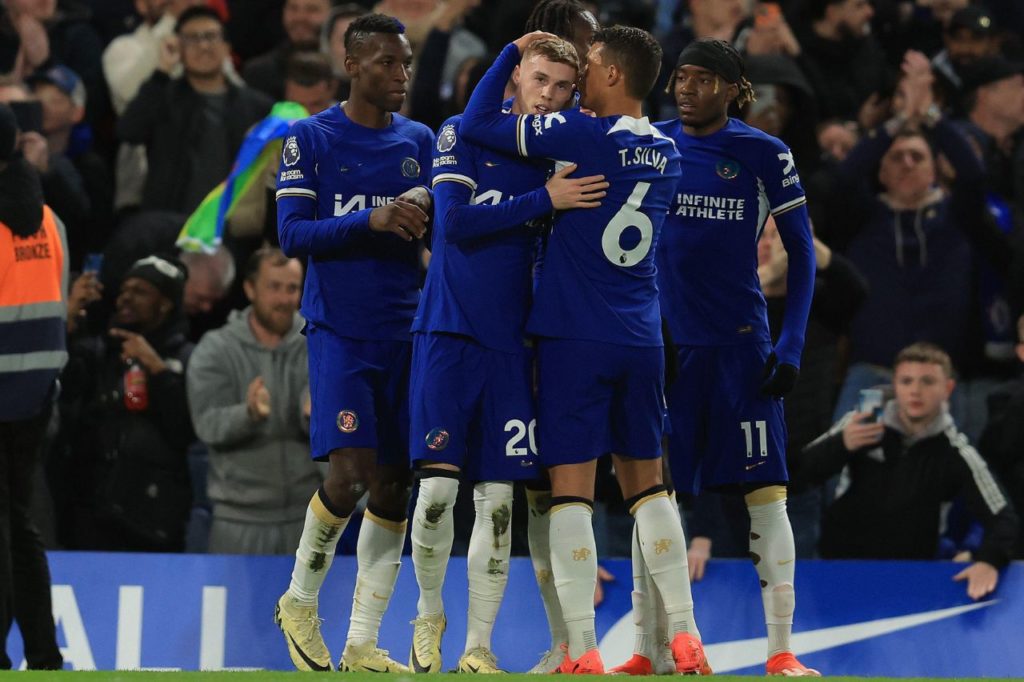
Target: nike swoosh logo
752, 466
472, 669
783, 562
417, 666
745, 653
309, 661
373, 670
377, 596
491, 164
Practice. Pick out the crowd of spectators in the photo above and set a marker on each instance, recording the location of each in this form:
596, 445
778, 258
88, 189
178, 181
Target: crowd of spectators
905, 118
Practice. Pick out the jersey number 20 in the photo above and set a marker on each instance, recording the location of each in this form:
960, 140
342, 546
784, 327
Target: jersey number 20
628, 216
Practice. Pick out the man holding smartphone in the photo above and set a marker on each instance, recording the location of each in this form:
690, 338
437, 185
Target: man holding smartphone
899, 472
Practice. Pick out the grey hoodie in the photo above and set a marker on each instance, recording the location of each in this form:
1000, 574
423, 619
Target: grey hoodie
259, 471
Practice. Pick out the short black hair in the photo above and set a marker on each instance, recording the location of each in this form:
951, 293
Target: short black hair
362, 27
308, 67
636, 52
197, 12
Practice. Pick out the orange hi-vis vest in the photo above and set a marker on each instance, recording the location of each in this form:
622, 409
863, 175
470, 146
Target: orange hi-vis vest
33, 344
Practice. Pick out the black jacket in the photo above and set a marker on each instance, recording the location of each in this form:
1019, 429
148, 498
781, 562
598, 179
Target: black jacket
130, 467
167, 117
890, 497
1002, 444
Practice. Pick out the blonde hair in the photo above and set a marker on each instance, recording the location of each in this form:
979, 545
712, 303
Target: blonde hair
554, 50
928, 353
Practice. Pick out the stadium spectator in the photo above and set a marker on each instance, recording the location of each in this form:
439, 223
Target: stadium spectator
784, 107
128, 62
332, 43
1002, 443
62, 184
303, 21
75, 44
912, 240
768, 34
63, 98
125, 422
898, 471
994, 98
248, 392
843, 62
25, 45
310, 81
970, 35
994, 88
33, 280
191, 126
434, 97
210, 276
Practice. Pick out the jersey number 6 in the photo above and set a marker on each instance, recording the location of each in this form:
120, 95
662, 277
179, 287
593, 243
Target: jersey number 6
628, 216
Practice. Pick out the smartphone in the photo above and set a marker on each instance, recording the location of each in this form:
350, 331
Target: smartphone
768, 14
28, 114
871, 401
93, 263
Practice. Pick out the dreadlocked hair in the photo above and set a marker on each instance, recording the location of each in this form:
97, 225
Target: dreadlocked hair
360, 29
746, 94
556, 16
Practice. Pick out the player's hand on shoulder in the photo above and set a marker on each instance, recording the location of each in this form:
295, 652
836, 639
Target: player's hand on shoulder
566, 192
400, 217
861, 432
524, 41
778, 379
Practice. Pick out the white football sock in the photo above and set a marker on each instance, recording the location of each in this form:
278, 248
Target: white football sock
538, 533
490, 546
433, 532
664, 551
774, 555
643, 611
574, 565
379, 556
320, 534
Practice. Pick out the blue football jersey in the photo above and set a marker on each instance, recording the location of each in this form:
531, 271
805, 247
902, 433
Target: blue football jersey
598, 278
480, 278
334, 172
707, 258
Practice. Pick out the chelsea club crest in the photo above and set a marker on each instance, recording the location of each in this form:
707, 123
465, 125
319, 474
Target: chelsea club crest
410, 167
290, 153
727, 169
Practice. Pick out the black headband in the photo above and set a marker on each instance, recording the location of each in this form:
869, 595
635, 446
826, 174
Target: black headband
709, 55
